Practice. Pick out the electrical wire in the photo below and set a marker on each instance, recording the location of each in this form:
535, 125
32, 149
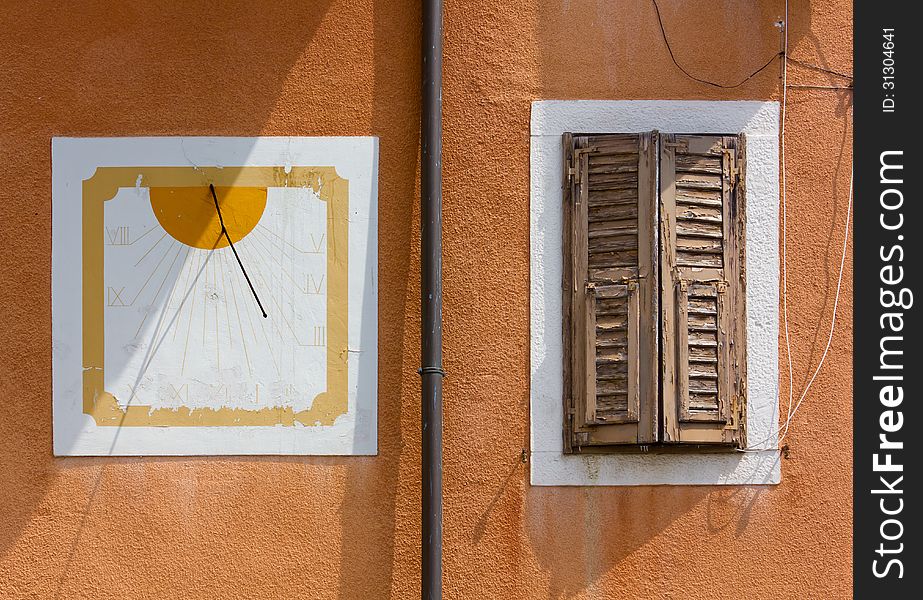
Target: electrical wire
783, 430
836, 301
818, 68
793, 406
819, 87
666, 41
788, 343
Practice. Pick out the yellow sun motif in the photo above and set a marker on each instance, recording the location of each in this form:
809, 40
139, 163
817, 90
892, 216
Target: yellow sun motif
188, 214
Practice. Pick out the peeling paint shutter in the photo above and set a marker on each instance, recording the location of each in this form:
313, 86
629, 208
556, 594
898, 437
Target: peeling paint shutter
703, 289
610, 293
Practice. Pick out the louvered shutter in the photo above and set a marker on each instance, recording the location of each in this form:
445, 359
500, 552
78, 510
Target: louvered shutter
610, 293
703, 289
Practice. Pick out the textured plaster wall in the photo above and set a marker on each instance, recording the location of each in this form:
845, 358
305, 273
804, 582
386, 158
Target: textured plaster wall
349, 527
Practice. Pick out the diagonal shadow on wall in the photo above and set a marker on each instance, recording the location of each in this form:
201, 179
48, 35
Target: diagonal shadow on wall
195, 70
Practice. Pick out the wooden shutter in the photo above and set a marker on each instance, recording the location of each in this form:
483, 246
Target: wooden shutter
703, 289
610, 290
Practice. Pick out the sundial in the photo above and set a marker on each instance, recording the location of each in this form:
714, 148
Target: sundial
214, 295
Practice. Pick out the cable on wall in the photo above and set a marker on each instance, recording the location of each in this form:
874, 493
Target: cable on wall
666, 41
793, 407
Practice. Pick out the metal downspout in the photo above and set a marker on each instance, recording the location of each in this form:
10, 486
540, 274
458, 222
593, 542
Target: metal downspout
431, 297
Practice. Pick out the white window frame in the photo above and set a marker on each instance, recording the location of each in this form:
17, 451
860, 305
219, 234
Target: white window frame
760, 122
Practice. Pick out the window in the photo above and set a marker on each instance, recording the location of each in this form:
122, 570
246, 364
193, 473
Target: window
654, 292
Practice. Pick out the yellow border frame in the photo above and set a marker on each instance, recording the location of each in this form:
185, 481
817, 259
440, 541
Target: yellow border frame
103, 186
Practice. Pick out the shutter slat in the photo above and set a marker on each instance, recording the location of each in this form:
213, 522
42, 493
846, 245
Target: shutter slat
618, 258
596, 170
709, 165
600, 158
618, 229
625, 144
693, 197
705, 214
608, 180
698, 181
612, 212
626, 196
699, 230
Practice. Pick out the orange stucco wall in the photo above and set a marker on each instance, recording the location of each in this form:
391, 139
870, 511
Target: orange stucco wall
349, 527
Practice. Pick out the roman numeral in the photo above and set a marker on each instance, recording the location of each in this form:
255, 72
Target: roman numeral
114, 296
181, 393
313, 286
222, 390
318, 245
118, 236
320, 337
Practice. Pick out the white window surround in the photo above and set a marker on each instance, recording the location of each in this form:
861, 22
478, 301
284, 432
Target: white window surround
760, 122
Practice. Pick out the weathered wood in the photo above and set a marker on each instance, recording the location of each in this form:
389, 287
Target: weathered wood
701, 321
619, 258
619, 226
701, 248
682, 350
724, 334
700, 245
691, 163
611, 169
701, 144
607, 387
614, 272
567, 288
699, 230
606, 323
613, 212
610, 306
668, 288
695, 259
698, 181
601, 158
612, 291
626, 197
613, 244
634, 351
614, 143
702, 339
739, 299
590, 342
699, 369
583, 392
694, 197
605, 180
615, 232
612, 339
611, 356
706, 214
647, 296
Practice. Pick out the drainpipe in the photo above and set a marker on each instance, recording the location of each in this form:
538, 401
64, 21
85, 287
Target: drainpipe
431, 297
